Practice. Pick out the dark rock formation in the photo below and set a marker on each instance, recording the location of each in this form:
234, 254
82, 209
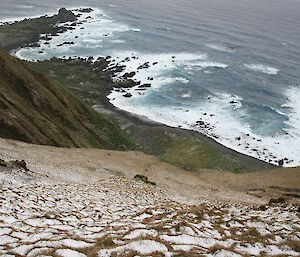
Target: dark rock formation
144, 66
144, 179
127, 95
129, 75
281, 162
279, 200
65, 15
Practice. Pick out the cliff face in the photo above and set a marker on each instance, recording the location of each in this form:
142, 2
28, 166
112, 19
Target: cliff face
35, 109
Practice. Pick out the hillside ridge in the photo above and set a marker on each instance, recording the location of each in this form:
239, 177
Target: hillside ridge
36, 109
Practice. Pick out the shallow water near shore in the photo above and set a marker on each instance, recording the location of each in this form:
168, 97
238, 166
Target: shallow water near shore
228, 69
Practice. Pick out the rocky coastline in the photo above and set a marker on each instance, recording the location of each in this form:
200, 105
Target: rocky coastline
140, 129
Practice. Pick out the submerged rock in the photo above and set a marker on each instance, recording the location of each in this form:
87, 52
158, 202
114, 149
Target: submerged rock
144, 66
86, 10
33, 45
66, 43
281, 162
129, 75
145, 85
128, 95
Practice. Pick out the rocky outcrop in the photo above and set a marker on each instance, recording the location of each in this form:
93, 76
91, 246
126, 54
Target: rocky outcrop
144, 179
27, 32
65, 15
14, 164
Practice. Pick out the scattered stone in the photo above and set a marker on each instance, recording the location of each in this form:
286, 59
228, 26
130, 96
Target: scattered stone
3, 163
263, 208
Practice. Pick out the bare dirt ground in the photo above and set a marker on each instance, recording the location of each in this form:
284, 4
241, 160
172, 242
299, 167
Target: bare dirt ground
84, 202
88, 165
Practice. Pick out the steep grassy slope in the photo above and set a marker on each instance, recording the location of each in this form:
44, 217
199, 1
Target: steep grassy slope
36, 109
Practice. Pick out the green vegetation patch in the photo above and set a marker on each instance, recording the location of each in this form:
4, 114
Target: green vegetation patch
193, 155
84, 78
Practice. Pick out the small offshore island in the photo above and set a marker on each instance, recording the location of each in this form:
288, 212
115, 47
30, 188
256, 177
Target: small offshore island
95, 180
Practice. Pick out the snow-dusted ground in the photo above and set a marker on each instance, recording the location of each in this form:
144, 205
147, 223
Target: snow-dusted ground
123, 217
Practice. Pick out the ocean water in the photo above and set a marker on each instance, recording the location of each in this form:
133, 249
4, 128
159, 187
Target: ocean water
229, 69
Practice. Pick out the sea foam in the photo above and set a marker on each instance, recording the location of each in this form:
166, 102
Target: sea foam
87, 37
221, 48
223, 115
262, 68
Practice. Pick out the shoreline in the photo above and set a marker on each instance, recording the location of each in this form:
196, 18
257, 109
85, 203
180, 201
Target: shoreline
130, 119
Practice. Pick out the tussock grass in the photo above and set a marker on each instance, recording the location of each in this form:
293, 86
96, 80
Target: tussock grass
36, 109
